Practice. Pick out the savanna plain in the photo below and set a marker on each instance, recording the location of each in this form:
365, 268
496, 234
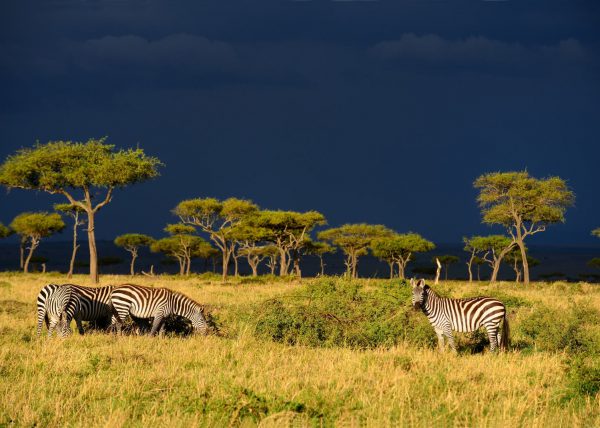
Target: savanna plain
315, 352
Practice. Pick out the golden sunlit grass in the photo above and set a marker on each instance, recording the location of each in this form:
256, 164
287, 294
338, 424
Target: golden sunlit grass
239, 380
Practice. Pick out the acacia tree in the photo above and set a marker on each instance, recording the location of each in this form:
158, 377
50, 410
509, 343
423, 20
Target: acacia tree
446, 261
93, 169
524, 205
319, 249
74, 212
354, 240
513, 259
492, 249
5, 232
217, 219
596, 232
248, 240
288, 231
132, 242
33, 227
181, 245
398, 249
478, 261
271, 253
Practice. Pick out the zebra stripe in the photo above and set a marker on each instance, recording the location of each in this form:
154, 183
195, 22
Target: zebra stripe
157, 303
463, 315
61, 306
94, 303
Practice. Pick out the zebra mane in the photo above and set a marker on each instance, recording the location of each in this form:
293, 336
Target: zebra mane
188, 299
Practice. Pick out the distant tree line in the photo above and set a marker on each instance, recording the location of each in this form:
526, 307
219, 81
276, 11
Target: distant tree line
88, 173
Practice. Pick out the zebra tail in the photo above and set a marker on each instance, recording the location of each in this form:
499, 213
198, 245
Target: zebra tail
505, 339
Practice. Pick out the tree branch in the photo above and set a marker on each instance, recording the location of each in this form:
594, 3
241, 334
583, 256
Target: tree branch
106, 200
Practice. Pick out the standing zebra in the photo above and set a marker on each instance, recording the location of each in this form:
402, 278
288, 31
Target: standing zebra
462, 315
61, 307
94, 303
156, 303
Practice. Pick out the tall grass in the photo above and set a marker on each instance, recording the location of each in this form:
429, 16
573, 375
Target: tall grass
244, 379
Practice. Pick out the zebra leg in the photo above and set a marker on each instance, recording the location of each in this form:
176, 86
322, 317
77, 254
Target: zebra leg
440, 337
78, 322
450, 339
52, 326
493, 336
158, 320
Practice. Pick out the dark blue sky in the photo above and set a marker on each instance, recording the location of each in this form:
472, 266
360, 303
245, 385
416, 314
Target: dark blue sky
368, 111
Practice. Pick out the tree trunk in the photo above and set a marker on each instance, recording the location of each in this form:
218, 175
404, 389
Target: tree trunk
43, 267
188, 265
273, 264
446, 266
521, 245
94, 276
22, 252
354, 267
132, 266
391, 269
438, 271
181, 261
469, 266
235, 267
226, 256
253, 263
283, 262
497, 261
297, 269
401, 270
478, 271
32, 248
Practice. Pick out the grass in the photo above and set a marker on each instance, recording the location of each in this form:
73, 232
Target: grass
244, 379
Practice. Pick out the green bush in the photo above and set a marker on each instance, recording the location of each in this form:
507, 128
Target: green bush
584, 376
336, 312
561, 330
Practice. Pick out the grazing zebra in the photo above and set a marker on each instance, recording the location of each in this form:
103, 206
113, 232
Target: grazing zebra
157, 303
61, 307
94, 303
462, 315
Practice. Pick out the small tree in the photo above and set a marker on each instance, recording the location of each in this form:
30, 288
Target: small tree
93, 168
132, 242
271, 253
398, 249
513, 258
74, 212
596, 232
492, 249
319, 249
5, 232
446, 261
33, 227
217, 219
524, 205
354, 240
288, 231
478, 261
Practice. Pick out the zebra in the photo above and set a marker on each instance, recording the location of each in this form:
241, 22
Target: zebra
94, 303
157, 303
60, 308
464, 315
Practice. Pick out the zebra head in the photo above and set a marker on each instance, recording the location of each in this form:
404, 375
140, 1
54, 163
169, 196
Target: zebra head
418, 295
198, 321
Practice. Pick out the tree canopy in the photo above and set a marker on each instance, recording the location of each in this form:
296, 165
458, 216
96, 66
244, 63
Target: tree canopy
524, 205
92, 168
35, 226
354, 240
287, 230
131, 241
5, 232
218, 219
399, 248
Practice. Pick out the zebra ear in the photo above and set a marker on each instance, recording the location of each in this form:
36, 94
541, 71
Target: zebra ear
413, 283
421, 283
